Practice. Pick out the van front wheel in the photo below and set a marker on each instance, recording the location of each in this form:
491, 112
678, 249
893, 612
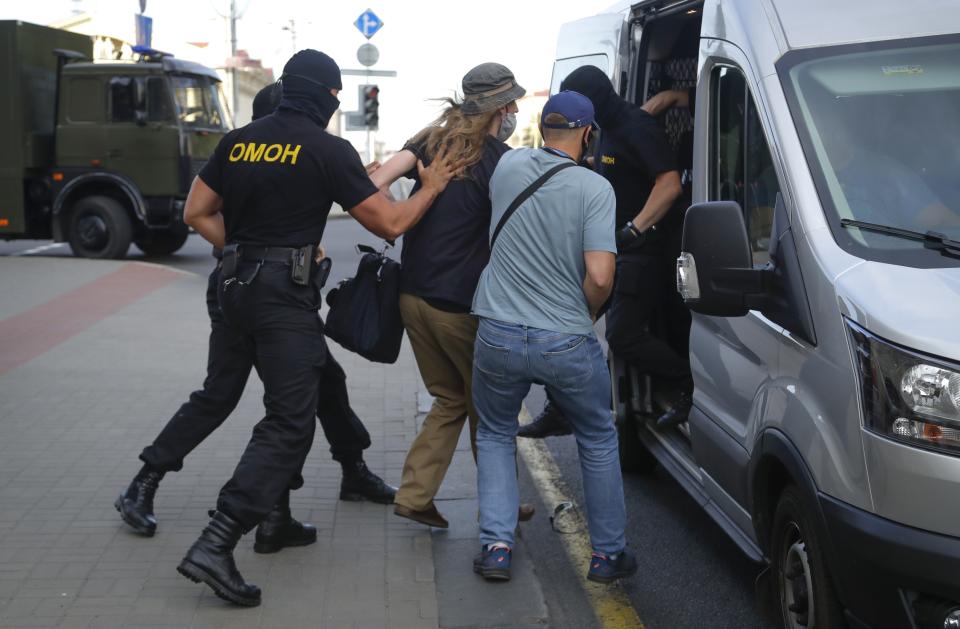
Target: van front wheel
805, 590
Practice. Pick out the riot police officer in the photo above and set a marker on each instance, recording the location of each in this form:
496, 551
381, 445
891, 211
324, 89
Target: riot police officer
228, 368
264, 197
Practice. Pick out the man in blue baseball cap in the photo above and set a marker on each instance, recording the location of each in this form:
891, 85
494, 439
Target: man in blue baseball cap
635, 156
552, 247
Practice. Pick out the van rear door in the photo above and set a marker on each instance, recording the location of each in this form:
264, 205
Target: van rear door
599, 41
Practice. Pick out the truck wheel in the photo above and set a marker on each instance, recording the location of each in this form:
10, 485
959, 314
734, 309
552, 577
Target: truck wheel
161, 242
634, 456
99, 228
804, 586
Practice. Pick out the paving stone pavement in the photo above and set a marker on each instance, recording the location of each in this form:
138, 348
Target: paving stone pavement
72, 422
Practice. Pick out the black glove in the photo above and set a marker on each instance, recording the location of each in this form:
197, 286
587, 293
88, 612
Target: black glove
629, 236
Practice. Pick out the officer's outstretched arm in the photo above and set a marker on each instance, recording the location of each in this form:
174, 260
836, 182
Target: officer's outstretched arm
390, 219
202, 212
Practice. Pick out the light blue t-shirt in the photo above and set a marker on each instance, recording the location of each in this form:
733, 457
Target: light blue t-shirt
536, 269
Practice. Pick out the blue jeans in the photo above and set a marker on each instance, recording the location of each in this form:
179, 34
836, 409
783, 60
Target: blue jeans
508, 358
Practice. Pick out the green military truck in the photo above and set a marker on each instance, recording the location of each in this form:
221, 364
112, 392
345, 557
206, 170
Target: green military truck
100, 154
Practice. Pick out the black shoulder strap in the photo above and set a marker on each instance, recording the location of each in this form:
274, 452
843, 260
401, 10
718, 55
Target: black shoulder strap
523, 196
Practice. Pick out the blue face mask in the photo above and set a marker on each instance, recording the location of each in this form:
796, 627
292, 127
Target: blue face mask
507, 126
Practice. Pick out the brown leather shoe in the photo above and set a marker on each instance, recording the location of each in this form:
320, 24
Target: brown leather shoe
526, 512
429, 516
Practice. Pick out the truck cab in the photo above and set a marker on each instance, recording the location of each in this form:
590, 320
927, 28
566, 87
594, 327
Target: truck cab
136, 133
820, 258
105, 153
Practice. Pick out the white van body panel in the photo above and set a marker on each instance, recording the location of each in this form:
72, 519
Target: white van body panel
852, 21
922, 312
580, 42
781, 382
745, 25
815, 399
812, 395
912, 485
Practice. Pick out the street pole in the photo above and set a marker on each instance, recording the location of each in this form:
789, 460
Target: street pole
233, 58
369, 145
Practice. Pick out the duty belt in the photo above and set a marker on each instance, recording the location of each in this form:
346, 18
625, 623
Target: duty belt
258, 253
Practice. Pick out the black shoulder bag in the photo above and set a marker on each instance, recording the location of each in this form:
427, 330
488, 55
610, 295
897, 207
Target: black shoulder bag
364, 312
523, 196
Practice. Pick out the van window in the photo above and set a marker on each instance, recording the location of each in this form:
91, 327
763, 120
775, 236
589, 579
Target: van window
563, 67
741, 167
880, 125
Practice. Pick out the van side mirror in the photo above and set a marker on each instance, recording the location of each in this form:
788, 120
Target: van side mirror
715, 274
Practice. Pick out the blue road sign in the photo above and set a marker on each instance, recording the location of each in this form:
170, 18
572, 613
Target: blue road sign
368, 23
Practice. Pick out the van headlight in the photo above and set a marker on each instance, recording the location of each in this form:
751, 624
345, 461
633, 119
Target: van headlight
906, 395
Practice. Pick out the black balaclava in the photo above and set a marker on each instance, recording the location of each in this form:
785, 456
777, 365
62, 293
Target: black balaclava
307, 80
266, 101
594, 83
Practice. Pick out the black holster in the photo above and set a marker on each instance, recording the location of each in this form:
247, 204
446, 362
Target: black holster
230, 260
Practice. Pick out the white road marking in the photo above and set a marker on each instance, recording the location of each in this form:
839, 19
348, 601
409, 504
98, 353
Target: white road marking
610, 603
40, 249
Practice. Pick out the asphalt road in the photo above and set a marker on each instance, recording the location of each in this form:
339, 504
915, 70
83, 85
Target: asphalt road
342, 236
691, 575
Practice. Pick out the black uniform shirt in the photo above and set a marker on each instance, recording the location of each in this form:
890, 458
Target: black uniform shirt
279, 176
630, 155
445, 253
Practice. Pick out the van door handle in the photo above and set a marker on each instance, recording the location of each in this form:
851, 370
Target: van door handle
114, 152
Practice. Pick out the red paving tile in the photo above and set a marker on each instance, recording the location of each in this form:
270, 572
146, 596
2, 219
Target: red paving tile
30, 334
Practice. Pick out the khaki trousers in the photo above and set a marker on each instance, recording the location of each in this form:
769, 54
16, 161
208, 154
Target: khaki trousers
443, 346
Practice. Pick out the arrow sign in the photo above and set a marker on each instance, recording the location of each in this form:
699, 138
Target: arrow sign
368, 23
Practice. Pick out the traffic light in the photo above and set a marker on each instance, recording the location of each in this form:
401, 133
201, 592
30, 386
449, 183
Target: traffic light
370, 106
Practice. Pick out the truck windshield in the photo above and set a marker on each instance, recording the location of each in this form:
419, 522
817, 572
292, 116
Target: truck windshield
880, 126
198, 102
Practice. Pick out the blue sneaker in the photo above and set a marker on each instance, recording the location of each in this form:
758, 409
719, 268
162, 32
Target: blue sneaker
493, 564
604, 569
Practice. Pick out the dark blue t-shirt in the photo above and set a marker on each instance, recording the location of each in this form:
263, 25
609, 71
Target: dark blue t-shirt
445, 253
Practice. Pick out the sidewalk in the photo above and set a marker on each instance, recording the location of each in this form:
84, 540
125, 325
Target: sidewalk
94, 358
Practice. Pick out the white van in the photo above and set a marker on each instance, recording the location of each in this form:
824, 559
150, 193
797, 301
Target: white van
821, 260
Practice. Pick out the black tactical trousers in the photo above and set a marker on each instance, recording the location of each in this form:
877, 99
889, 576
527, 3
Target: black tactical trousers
282, 336
638, 294
229, 363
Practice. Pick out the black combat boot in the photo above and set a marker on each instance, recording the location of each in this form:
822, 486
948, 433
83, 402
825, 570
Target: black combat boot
549, 423
359, 484
678, 411
136, 503
279, 530
210, 561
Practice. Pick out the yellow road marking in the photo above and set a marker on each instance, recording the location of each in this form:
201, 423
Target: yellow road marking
610, 603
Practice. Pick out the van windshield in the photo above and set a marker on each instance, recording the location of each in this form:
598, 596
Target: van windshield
198, 102
881, 129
